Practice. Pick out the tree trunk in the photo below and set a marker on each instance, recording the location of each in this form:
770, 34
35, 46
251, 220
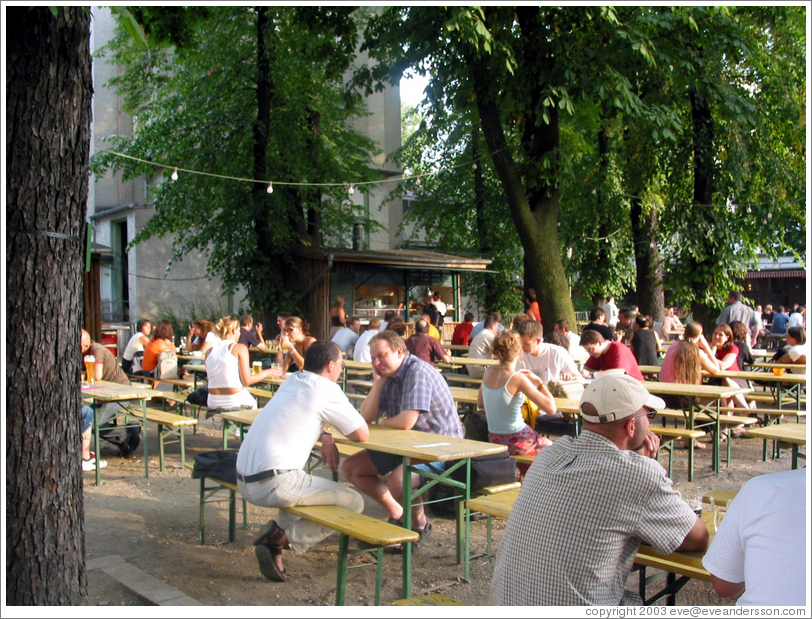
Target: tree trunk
703, 136
537, 226
650, 296
49, 92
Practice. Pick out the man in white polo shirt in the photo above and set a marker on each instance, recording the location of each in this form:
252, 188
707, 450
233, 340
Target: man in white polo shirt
270, 465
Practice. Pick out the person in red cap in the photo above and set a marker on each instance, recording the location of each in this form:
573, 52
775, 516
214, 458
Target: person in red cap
608, 488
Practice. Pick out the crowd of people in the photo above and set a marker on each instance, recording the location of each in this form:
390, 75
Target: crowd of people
603, 482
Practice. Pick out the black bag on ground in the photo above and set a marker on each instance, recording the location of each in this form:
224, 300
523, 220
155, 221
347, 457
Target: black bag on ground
492, 470
199, 397
221, 464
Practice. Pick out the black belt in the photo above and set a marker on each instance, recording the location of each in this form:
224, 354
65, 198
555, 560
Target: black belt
249, 479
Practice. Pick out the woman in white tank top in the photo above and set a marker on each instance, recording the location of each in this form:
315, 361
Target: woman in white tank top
228, 369
502, 394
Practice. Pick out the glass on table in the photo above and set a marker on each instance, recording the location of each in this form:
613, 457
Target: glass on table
691, 493
90, 368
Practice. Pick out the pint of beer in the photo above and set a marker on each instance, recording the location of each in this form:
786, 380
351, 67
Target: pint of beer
256, 367
90, 368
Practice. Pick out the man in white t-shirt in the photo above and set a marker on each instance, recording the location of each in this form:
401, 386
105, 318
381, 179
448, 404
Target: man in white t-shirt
758, 551
346, 337
611, 312
481, 347
273, 455
361, 352
576, 351
798, 349
547, 361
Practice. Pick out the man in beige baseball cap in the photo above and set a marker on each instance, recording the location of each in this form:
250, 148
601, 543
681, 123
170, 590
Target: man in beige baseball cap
620, 410
610, 493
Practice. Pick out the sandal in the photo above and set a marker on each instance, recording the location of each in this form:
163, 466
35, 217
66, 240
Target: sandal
266, 556
270, 534
424, 533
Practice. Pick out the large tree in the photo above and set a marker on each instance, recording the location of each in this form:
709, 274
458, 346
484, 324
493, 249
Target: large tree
254, 93
522, 70
49, 88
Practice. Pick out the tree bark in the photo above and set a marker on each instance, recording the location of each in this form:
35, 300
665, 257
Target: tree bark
650, 295
49, 89
703, 136
536, 220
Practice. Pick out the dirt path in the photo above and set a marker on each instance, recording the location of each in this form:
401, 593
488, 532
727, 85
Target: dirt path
153, 525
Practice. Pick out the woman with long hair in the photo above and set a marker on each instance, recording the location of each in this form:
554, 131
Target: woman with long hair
228, 369
201, 335
727, 354
502, 394
163, 338
293, 344
684, 363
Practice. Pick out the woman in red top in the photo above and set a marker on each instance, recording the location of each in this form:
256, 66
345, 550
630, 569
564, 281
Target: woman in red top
727, 353
163, 338
532, 305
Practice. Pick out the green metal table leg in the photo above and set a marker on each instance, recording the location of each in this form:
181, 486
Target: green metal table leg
341, 580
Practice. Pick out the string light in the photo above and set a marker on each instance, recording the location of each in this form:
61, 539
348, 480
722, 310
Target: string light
175, 175
351, 190
270, 187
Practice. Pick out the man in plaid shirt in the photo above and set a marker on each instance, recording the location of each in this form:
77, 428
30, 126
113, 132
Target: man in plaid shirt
586, 504
412, 395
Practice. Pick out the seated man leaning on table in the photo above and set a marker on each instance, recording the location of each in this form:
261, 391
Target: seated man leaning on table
107, 368
547, 361
758, 550
270, 465
609, 494
411, 395
608, 357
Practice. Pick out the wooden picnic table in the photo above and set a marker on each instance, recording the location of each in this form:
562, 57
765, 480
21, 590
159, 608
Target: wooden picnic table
103, 392
466, 395
680, 567
794, 433
767, 365
702, 399
413, 445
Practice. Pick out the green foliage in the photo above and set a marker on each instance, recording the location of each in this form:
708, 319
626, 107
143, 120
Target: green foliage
197, 106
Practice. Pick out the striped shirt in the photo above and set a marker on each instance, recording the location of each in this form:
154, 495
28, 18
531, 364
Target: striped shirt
419, 386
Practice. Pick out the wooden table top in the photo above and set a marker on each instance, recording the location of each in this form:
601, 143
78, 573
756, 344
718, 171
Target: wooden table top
108, 392
195, 368
786, 377
191, 357
683, 563
350, 364
469, 361
457, 347
702, 391
421, 445
466, 395
789, 432
766, 365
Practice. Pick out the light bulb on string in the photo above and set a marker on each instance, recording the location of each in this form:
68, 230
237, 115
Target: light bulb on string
351, 190
270, 187
175, 175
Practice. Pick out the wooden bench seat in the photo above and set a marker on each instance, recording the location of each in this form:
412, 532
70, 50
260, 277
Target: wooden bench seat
725, 420
371, 531
375, 533
668, 439
768, 397
260, 393
498, 505
453, 377
170, 425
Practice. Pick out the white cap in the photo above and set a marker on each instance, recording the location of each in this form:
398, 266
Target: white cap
617, 396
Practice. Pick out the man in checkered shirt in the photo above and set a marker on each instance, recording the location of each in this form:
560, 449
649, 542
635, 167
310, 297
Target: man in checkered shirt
411, 395
587, 503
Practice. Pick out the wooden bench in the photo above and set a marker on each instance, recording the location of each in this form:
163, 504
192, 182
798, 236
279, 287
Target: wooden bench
210, 494
264, 394
375, 533
453, 377
769, 398
372, 532
433, 599
703, 419
498, 505
170, 425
